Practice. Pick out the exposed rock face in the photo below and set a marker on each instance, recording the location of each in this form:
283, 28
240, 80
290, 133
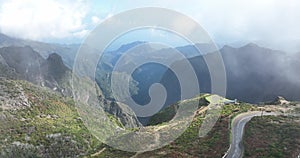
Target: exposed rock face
24, 63
57, 75
6, 71
122, 112
125, 115
280, 101
2, 61
52, 73
56, 67
12, 95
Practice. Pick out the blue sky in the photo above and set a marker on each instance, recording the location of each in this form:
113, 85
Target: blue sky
228, 22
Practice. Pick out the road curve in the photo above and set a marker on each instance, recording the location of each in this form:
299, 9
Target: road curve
237, 131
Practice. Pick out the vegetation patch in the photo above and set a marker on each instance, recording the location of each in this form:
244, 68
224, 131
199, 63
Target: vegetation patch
272, 136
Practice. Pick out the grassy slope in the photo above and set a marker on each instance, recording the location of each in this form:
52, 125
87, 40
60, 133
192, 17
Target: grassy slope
52, 128
215, 144
271, 136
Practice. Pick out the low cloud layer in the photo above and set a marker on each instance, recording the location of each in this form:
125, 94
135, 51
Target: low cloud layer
271, 21
38, 20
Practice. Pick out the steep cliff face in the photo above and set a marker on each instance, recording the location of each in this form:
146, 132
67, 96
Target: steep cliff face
56, 67
2, 61
7, 71
57, 75
29, 65
122, 112
26, 64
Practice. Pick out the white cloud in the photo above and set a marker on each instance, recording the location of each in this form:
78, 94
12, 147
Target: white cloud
95, 20
251, 20
38, 20
235, 20
81, 34
226, 21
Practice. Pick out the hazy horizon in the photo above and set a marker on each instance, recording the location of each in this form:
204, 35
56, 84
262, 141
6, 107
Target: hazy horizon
228, 23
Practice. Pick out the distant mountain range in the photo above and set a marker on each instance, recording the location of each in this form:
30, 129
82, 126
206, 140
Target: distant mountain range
67, 52
254, 73
258, 74
42, 119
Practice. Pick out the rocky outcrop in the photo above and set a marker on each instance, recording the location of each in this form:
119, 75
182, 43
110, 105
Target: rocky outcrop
52, 73
122, 112
29, 65
280, 101
12, 95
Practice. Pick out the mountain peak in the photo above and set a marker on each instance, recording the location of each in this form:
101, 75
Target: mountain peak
125, 47
250, 45
56, 65
3, 35
227, 47
54, 57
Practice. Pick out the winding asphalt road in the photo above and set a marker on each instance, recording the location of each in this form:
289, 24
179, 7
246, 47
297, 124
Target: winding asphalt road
237, 131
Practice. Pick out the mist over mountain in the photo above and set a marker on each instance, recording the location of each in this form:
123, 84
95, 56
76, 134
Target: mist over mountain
24, 63
254, 74
31, 66
259, 74
146, 74
149, 79
67, 52
46, 114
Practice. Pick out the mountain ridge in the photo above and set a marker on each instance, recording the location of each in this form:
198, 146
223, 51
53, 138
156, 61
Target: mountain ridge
29, 65
241, 63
